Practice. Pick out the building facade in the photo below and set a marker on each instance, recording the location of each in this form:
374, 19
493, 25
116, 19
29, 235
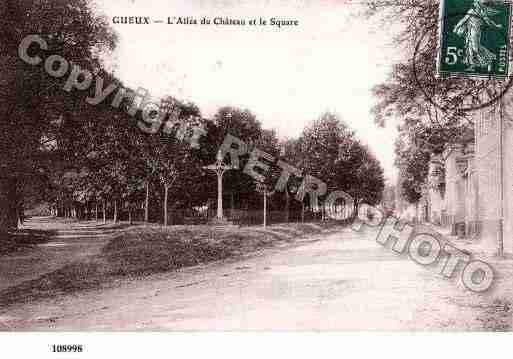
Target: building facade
494, 170
459, 209
470, 187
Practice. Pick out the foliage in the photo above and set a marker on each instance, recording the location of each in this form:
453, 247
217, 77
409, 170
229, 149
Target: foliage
31, 102
427, 108
330, 151
57, 148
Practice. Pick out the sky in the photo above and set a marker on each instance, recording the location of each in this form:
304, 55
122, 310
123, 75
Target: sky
286, 76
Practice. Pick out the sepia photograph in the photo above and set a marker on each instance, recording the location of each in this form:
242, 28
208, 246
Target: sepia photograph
255, 166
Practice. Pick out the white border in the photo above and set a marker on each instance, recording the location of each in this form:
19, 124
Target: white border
263, 345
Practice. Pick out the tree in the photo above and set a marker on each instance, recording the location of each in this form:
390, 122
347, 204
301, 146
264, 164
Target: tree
330, 151
30, 100
413, 88
371, 180
413, 171
429, 109
242, 124
172, 160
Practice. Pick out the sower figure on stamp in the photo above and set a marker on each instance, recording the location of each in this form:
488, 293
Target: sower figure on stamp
470, 27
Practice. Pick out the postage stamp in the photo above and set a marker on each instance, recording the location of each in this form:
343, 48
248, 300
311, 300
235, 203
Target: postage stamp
474, 39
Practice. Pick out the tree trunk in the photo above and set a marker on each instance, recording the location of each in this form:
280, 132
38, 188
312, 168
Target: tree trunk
265, 209
232, 205
115, 211
147, 204
19, 211
166, 192
130, 214
104, 212
96, 210
287, 206
303, 212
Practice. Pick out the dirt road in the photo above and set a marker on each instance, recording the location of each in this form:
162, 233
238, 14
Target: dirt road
345, 281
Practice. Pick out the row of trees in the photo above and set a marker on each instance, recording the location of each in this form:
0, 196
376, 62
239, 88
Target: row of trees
31, 102
94, 161
118, 169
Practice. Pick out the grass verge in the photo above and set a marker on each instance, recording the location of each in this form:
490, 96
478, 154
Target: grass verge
20, 241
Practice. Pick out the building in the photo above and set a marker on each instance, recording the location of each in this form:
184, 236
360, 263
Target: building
470, 187
434, 190
494, 172
478, 200
430, 206
459, 208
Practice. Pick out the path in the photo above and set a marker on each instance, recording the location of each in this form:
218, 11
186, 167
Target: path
345, 282
70, 241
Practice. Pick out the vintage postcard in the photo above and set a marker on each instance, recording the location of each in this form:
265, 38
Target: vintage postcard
237, 165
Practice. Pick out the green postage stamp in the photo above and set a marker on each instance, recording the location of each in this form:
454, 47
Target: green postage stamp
474, 38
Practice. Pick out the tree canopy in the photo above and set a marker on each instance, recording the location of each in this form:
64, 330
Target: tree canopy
431, 111
83, 159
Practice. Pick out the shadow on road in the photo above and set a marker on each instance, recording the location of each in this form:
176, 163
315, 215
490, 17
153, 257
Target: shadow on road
15, 242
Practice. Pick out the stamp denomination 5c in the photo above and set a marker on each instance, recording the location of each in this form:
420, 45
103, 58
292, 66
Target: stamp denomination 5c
474, 38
